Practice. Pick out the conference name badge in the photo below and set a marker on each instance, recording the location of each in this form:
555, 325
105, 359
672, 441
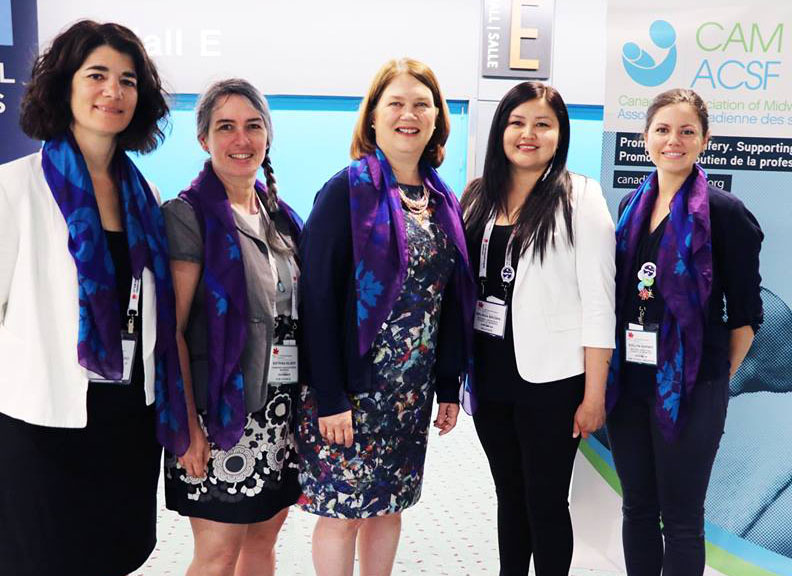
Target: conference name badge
640, 345
490, 318
129, 344
283, 366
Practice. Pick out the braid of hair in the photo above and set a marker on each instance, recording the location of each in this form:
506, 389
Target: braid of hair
272, 186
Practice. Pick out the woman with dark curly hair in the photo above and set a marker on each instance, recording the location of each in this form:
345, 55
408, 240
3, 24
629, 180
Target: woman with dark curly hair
86, 316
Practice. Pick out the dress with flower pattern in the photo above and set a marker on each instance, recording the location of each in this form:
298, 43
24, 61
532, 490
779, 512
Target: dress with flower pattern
382, 472
260, 470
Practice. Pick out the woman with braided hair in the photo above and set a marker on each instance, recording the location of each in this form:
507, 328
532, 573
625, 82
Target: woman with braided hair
235, 279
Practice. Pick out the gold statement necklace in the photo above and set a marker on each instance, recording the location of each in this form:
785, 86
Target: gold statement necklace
418, 206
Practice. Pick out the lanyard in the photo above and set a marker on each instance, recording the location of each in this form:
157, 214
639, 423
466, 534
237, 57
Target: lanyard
293, 272
279, 287
507, 272
134, 302
295, 278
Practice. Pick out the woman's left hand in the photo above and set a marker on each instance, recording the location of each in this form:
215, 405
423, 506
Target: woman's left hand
446, 419
589, 417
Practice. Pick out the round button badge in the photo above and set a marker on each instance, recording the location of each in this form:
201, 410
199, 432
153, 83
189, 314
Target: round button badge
648, 271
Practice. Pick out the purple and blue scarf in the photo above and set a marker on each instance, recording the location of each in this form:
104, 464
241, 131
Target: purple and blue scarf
98, 341
684, 265
379, 248
226, 302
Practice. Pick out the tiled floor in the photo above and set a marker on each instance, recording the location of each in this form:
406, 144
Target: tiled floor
450, 532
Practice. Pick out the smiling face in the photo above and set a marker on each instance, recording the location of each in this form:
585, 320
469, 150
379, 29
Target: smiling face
675, 138
103, 93
236, 138
404, 118
531, 136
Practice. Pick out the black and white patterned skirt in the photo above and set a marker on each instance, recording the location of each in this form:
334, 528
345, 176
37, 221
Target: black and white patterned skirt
252, 481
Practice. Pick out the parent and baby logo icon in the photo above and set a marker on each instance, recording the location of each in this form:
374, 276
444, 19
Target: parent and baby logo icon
642, 66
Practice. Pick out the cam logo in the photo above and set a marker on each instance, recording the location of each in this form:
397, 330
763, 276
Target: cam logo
6, 25
641, 66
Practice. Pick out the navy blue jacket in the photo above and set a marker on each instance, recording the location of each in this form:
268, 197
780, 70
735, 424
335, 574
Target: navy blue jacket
329, 344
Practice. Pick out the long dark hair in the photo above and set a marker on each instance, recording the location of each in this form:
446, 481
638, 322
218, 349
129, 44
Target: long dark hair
537, 220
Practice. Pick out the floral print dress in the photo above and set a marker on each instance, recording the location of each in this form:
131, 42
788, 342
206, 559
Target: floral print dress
382, 472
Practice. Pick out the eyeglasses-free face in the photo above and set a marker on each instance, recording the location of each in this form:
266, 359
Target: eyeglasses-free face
531, 136
404, 118
103, 93
236, 139
675, 138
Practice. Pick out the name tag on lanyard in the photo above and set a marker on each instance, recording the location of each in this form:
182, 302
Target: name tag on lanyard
640, 345
283, 364
283, 360
490, 318
491, 314
129, 341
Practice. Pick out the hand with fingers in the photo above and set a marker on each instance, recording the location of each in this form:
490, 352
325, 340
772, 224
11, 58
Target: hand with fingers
195, 459
589, 417
337, 428
446, 419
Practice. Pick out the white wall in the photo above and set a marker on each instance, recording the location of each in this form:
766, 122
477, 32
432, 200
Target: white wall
303, 47
333, 48
316, 47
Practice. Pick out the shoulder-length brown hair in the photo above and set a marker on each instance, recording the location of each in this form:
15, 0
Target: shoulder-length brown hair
46, 106
364, 140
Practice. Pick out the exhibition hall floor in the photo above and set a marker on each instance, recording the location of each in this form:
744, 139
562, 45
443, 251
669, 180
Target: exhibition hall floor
450, 532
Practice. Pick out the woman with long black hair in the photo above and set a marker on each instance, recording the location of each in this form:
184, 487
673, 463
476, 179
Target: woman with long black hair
542, 247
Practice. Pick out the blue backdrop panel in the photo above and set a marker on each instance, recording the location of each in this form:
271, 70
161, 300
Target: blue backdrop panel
585, 140
312, 136
18, 49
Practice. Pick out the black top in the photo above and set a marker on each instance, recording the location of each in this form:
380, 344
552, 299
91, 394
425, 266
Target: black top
495, 366
644, 307
734, 300
119, 252
412, 191
328, 310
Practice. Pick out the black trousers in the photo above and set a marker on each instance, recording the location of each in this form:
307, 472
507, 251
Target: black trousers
531, 452
666, 481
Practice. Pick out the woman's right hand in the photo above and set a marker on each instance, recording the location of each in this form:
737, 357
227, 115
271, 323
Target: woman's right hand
337, 429
195, 460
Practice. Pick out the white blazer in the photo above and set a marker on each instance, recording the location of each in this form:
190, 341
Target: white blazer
41, 381
568, 302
